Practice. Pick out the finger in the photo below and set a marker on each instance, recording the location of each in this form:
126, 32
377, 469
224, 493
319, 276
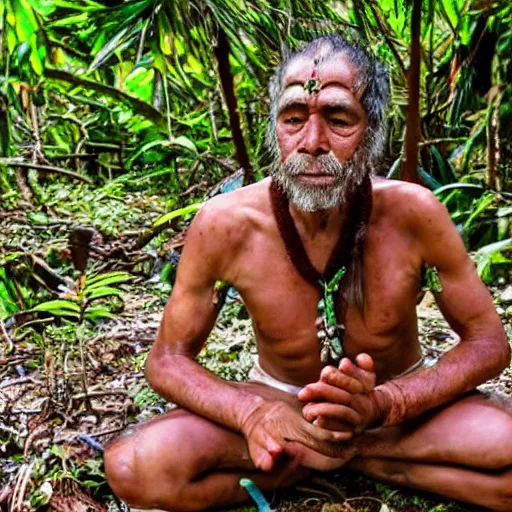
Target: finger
365, 378
332, 424
341, 379
322, 440
342, 413
310, 458
318, 438
263, 460
323, 392
274, 448
365, 362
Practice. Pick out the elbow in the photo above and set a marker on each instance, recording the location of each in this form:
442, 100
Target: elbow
162, 373
502, 353
155, 370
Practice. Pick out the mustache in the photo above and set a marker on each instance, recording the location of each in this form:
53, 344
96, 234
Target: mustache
299, 163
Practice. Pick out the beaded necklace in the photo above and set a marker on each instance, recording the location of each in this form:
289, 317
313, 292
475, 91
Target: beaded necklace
330, 331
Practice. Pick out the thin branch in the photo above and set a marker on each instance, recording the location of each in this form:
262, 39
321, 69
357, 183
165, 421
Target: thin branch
138, 105
44, 168
442, 140
222, 51
22, 380
5, 336
67, 156
409, 168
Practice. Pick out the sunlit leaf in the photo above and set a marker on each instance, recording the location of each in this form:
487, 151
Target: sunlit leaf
178, 213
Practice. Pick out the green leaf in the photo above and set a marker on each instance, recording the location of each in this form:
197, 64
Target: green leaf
107, 281
173, 142
105, 291
112, 46
178, 213
70, 20
99, 277
58, 303
99, 312
490, 254
59, 308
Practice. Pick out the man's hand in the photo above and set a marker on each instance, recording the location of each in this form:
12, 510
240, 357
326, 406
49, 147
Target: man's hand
344, 398
276, 428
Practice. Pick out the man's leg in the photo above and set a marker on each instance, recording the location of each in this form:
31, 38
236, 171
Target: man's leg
463, 451
181, 462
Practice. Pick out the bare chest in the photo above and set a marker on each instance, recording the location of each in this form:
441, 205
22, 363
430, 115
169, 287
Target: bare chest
284, 307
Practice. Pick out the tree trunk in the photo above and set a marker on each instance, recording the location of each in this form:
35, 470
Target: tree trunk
222, 52
409, 170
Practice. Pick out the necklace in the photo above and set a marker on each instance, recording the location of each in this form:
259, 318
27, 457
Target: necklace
330, 332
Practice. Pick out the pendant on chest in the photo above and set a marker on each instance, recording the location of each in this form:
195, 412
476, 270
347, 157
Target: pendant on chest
330, 334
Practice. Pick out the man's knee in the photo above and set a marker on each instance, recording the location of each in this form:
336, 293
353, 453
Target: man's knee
122, 472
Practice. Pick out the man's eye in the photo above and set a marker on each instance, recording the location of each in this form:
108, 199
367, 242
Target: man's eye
338, 122
293, 120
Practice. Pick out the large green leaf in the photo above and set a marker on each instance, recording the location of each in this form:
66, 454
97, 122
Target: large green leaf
491, 254
59, 307
106, 281
104, 291
178, 213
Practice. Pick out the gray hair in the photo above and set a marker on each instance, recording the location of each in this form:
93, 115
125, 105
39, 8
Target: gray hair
373, 81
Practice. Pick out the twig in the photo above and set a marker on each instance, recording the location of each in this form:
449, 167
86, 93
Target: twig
222, 163
96, 394
7, 339
23, 380
333, 489
67, 156
44, 168
20, 487
138, 105
441, 141
192, 188
107, 432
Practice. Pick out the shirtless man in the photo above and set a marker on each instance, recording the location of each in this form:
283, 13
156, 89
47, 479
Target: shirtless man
378, 410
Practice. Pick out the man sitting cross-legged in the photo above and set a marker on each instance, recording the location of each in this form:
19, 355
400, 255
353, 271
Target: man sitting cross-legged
328, 259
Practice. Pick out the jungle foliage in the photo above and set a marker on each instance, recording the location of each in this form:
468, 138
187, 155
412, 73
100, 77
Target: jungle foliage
118, 118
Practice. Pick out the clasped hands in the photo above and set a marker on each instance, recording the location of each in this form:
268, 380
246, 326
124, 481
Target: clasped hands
343, 402
344, 398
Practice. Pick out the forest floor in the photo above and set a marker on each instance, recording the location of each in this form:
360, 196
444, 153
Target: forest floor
55, 418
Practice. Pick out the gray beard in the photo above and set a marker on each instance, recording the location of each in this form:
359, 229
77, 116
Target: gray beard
312, 198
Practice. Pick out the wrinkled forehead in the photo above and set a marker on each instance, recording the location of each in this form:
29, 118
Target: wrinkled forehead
336, 76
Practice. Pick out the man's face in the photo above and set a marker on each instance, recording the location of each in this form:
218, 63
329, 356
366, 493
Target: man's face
319, 133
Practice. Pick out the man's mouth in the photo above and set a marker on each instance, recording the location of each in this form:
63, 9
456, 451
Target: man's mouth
315, 178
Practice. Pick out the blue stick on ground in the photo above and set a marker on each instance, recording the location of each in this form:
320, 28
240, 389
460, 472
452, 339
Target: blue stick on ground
262, 504
91, 442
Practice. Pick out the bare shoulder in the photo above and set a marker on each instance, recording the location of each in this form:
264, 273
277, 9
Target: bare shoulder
232, 214
410, 206
226, 222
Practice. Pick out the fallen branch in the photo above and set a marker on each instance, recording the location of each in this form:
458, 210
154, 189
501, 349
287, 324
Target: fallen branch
138, 105
67, 156
44, 168
23, 380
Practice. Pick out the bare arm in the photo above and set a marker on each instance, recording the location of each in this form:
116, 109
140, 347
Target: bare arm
467, 306
188, 319
465, 303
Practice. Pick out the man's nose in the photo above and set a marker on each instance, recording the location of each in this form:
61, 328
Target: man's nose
314, 141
